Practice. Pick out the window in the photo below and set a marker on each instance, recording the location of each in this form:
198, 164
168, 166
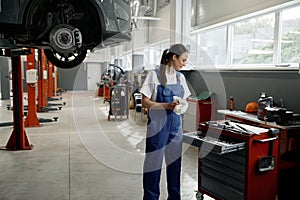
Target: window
264, 40
153, 53
253, 41
290, 35
193, 57
209, 47
213, 47
126, 61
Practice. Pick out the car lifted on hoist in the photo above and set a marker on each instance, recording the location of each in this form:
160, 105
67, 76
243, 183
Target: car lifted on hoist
65, 29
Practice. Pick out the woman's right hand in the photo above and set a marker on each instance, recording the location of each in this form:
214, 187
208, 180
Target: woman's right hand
172, 105
147, 103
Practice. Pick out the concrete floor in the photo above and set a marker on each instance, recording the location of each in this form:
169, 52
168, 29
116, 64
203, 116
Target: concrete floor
83, 156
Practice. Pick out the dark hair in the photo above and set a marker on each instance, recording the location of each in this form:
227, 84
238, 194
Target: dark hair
175, 49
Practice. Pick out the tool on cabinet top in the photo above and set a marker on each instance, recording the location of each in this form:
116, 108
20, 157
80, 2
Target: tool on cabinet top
225, 136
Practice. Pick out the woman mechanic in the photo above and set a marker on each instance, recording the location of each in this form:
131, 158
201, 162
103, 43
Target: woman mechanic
163, 91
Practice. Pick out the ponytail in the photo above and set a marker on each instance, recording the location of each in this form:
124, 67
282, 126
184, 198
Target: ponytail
165, 57
162, 68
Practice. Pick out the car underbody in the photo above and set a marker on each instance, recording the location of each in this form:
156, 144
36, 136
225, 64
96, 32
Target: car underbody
64, 29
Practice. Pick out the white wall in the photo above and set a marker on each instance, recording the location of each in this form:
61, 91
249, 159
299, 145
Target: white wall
160, 30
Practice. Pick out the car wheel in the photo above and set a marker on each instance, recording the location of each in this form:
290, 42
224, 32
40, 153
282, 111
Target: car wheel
65, 61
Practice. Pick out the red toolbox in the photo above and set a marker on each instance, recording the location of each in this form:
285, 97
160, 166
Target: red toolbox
236, 161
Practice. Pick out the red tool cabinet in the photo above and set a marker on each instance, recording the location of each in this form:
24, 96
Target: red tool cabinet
236, 165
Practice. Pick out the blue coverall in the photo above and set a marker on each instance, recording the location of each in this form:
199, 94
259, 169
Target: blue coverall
164, 137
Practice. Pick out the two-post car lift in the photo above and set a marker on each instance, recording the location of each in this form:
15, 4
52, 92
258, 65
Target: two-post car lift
18, 139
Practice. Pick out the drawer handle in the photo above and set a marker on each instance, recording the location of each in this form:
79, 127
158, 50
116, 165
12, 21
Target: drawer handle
266, 140
206, 103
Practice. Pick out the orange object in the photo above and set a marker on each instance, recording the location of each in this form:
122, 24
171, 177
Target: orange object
31, 119
251, 107
50, 80
231, 104
106, 90
42, 82
18, 139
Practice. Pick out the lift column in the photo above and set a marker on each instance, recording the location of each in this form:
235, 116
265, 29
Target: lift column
42, 83
18, 140
31, 119
50, 80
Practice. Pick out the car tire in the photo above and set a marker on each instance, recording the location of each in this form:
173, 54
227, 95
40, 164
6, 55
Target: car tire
63, 61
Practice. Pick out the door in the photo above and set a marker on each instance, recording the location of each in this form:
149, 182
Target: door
93, 75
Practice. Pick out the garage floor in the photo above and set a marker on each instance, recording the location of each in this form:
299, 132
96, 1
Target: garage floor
82, 156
